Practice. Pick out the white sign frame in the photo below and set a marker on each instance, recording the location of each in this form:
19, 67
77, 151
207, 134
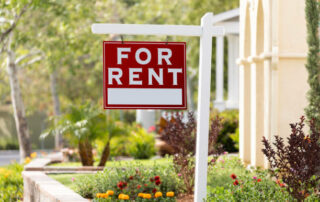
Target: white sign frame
205, 31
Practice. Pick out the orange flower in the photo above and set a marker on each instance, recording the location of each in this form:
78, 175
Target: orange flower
120, 196
158, 194
170, 194
125, 197
27, 160
259, 180
104, 196
33, 155
147, 196
110, 192
141, 195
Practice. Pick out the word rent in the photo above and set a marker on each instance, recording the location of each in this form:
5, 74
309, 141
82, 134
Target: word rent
144, 75
163, 56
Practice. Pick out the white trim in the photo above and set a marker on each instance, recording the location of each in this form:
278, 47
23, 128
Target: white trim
226, 15
136, 29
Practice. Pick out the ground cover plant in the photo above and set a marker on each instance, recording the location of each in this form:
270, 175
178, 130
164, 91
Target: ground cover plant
11, 182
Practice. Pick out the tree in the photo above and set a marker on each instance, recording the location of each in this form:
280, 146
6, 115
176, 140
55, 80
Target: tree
13, 12
84, 124
12, 17
313, 59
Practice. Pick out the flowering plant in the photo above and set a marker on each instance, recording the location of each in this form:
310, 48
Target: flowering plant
131, 180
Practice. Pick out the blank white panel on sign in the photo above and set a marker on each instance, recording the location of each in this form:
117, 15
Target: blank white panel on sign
146, 96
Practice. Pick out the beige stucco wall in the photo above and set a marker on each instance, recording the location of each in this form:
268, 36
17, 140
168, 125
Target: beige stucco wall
275, 33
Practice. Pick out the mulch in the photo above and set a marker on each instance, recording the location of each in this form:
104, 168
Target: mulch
185, 198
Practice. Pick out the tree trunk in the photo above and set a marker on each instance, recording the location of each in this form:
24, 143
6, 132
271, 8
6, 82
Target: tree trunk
85, 152
18, 108
105, 154
56, 105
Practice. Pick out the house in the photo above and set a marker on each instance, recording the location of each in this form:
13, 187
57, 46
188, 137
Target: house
273, 77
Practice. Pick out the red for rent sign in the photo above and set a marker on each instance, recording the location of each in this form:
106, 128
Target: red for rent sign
144, 75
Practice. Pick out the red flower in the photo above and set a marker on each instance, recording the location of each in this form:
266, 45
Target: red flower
151, 179
158, 182
139, 186
282, 185
156, 178
236, 183
233, 176
259, 180
125, 184
120, 185
145, 185
154, 190
131, 178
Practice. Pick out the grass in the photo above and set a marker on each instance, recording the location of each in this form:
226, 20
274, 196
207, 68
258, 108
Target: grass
112, 164
67, 179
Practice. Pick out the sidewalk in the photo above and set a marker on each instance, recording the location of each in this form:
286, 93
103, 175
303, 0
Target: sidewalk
7, 156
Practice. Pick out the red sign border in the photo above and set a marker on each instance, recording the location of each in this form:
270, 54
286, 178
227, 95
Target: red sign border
184, 90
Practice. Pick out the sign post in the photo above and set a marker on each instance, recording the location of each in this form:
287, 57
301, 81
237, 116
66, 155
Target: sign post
206, 31
200, 191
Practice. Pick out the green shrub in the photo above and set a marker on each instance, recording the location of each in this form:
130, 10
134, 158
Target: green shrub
118, 146
130, 179
138, 143
141, 144
11, 183
6, 144
228, 136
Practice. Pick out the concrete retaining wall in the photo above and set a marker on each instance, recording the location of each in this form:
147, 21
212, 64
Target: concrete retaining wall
38, 187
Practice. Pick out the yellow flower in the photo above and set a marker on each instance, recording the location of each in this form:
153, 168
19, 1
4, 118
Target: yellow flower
125, 197
170, 194
110, 192
147, 196
120, 196
33, 155
98, 195
2, 170
158, 194
27, 160
141, 195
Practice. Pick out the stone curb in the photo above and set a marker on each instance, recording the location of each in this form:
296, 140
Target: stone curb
38, 187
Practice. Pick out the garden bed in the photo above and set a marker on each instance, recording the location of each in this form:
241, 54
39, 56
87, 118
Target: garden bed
228, 180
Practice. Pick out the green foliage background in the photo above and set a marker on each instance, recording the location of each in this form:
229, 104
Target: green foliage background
61, 31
